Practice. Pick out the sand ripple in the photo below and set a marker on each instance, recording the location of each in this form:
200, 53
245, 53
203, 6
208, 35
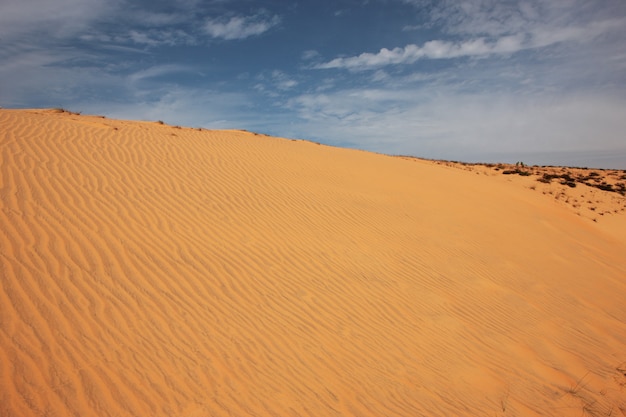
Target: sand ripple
149, 270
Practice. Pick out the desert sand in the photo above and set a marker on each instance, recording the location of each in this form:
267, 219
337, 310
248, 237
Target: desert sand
154, 270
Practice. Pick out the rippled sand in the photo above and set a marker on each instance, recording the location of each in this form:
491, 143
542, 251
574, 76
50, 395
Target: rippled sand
150, 270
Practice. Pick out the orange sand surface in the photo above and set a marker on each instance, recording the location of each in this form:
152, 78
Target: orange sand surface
153, 270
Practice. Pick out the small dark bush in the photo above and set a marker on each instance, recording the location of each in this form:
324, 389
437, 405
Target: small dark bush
516, 171
548, 177
62, 110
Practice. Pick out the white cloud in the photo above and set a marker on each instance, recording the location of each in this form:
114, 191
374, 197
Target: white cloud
157, 71
508, 44
240, 27
142, 38
275, 84
36, 23
153, 19
483, 28
545, 35
180, 106
380, 75
56, 18
561, 101
310, 54
159, 37
282, 81
37, 75
496, 18
435, 49
448, 124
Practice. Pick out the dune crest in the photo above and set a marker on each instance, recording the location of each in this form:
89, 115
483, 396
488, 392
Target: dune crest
148, 269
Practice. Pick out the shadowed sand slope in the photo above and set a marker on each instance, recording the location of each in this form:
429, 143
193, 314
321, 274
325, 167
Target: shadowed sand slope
149, 270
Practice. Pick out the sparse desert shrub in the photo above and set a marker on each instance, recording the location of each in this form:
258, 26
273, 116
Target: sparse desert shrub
605, 187
62, 110
516, 171
545, 178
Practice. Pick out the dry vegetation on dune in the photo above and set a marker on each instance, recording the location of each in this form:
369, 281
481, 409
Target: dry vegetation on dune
157, 270
590, 193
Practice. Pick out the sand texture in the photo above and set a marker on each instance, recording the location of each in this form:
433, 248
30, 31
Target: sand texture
152, 270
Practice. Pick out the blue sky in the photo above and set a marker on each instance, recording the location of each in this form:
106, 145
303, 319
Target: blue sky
539, 81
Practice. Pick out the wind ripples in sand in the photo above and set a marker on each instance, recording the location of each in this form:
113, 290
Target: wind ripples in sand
151, 270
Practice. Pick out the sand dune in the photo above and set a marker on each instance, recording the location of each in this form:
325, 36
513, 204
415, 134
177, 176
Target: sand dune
150, 270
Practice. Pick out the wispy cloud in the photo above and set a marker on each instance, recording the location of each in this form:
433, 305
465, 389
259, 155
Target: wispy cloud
156, 19
98, 22
439, 49
310, 54
489, 27
283, 81
496, 18
158, 71
181, 105
444, 123
436, 49
275, 85
537, 87
58, 18
240, 27
159, 37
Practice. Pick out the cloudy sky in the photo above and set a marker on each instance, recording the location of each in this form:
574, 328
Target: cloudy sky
479, 80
